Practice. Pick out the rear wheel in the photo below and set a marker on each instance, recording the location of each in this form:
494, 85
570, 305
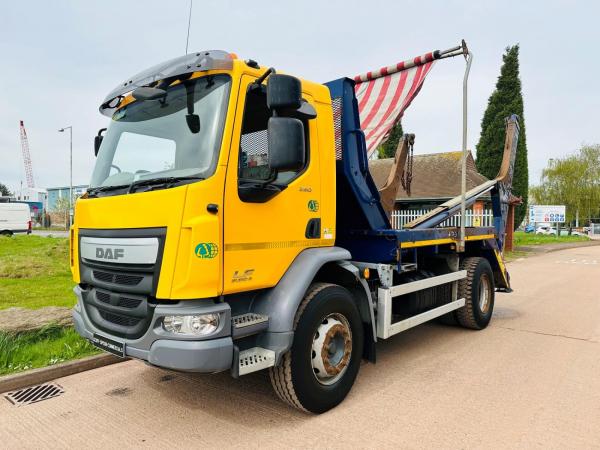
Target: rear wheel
319, 370
478, 291
6, 233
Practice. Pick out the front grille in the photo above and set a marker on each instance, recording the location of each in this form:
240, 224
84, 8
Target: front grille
117, 295
128, 280
122, 279
117, 302
103, 276
120, 300
118, 319
131, 303
103, 297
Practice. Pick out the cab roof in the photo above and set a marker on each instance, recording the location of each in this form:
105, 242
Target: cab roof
192, 62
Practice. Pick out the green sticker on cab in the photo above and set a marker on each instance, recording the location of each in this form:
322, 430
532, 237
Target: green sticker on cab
313, 205
206, 250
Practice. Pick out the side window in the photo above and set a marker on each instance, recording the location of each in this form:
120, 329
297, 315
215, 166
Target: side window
254, 146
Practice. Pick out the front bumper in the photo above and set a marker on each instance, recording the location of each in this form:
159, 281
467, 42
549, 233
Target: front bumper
187, 353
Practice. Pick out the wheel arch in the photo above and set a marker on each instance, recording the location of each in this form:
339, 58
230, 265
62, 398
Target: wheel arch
281, 302
329, 264
489, 250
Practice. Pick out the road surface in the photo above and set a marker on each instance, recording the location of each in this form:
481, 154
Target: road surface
531, 379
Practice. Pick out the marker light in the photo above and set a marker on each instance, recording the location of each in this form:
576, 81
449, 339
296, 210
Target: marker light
198, 325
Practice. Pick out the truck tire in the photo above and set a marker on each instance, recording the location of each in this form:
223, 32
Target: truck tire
478, 291
319, 370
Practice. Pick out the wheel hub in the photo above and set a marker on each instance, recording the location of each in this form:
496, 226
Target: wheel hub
484, 294
331, 349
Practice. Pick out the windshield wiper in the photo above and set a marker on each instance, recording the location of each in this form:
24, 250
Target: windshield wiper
95, 190
166, 181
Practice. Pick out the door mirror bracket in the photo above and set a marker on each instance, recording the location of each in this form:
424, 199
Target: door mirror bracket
98, 140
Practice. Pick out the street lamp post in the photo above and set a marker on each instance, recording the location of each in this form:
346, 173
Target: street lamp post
70, 128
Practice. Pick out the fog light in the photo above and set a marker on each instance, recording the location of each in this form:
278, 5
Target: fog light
199, 325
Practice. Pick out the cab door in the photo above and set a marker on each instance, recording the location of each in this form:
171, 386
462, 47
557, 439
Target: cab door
267, 227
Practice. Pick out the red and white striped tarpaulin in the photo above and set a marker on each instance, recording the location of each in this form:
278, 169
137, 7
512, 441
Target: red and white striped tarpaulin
384, 94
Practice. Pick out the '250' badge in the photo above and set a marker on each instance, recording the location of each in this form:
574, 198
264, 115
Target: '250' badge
206, 250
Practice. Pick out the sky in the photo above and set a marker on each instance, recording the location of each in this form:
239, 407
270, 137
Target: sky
59, 59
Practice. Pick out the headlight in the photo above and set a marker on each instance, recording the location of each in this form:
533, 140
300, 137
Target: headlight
199, 325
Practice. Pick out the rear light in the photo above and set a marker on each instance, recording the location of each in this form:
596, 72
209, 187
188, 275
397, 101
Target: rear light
29, 225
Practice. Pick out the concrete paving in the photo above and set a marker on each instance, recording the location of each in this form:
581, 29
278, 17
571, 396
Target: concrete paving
531, 379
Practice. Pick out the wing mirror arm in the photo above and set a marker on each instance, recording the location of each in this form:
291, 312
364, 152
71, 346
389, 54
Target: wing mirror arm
98, 140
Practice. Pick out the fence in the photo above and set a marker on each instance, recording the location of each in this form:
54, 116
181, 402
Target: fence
483, 219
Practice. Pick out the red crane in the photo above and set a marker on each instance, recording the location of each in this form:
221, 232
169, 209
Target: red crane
26, 156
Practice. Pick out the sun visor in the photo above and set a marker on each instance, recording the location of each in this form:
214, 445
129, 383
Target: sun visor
193, 62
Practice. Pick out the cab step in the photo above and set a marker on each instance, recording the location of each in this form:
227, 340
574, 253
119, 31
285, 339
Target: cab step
248, 324
253, 359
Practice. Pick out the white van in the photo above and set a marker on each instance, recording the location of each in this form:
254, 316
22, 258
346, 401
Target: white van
14, 218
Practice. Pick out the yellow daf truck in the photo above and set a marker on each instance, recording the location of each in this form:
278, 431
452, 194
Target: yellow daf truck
231, 224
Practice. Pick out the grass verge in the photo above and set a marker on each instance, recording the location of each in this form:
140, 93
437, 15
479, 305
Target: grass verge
34, 272
45, 347
514, 255
524, 239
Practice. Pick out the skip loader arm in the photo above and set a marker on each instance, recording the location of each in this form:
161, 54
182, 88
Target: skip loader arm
389, 191
500, 188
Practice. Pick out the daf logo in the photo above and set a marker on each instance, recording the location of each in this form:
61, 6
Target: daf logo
110, 253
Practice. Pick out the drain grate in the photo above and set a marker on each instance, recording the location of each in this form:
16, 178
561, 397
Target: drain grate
34, 394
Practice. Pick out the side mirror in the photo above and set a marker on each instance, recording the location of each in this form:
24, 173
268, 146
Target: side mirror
286, 144
98, 140
284, 92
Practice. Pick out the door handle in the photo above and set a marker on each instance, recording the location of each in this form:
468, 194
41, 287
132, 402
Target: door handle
313, 229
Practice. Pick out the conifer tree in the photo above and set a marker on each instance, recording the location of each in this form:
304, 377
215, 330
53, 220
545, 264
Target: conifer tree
388, 148
506, 99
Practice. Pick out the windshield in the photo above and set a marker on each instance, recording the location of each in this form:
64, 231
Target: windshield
155, 139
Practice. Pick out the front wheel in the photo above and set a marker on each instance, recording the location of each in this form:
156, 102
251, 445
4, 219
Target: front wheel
319, 370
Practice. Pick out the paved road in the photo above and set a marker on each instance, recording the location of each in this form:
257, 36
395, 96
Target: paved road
532, 379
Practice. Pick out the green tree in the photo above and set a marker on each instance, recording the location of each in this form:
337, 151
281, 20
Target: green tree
4, 190
573, 181
506, 99
61, 206
388, 148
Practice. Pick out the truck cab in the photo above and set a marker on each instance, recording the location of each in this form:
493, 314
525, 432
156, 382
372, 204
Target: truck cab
208, 238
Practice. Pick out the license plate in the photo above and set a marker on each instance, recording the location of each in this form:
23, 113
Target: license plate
108, 345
